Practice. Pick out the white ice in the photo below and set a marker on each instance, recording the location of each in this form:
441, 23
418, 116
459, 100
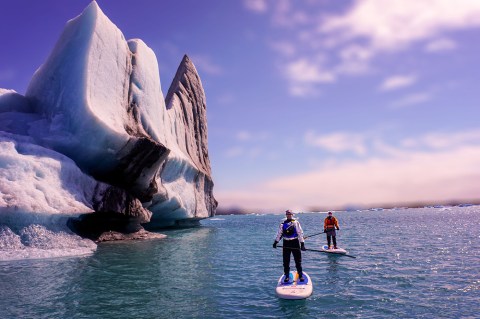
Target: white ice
40, 188
82, 95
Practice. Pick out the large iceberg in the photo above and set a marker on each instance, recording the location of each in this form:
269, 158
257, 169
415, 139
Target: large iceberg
93, 136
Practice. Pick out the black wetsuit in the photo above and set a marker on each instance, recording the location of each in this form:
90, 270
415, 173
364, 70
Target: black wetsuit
297, 255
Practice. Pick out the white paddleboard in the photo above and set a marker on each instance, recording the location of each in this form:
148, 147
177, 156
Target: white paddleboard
294, 289
339, 251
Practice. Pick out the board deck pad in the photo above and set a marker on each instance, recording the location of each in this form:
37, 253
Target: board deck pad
294, 289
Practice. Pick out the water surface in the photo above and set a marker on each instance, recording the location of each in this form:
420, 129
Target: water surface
411, 263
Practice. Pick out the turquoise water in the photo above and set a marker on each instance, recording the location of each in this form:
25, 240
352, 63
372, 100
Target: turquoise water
411, 263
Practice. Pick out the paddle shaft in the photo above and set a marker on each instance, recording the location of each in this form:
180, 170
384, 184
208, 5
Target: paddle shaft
314, 235
319, 251
323, 232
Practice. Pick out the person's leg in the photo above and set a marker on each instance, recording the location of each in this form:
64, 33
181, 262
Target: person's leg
334, 238
297, 256
329, 240
286, 260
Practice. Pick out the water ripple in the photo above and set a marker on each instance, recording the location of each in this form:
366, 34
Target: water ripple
227, 268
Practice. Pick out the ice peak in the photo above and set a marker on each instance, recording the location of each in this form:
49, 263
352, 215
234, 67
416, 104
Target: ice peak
90, 13
187, 66
92, 10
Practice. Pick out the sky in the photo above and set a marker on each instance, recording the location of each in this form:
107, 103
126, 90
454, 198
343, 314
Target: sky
311, 104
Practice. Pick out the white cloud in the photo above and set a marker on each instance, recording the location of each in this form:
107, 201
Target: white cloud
303, 74
303, 90
437, 166
285, 48
355, 60
371, 143
351, 40
379, 146
257, 6
338, 142
413, 177
356, 52
246, 136
412, 99
285, 15
249, 145
205, 64
395, 24
243, 136
444, 140
397, 82
441, 45
307, 71
244, 153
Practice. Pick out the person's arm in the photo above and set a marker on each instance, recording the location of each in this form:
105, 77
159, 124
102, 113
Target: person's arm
301, 239
278, 236
299, 232
336, 224
279, 233
325, 225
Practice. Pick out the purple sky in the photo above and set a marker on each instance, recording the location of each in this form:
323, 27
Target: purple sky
313, 103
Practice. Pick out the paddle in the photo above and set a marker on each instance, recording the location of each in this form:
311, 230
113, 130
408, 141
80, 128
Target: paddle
319, 251
323, 232
314, 235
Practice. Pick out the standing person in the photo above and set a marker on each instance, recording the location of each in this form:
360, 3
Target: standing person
293, 242
329, 225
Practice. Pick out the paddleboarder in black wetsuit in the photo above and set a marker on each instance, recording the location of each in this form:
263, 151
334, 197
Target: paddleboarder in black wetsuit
293, 242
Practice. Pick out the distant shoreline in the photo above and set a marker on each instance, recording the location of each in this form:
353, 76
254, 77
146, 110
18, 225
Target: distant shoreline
241, 211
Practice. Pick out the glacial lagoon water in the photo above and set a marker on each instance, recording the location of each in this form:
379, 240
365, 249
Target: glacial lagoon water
411, 263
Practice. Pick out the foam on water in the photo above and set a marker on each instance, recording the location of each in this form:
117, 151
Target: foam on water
38, 242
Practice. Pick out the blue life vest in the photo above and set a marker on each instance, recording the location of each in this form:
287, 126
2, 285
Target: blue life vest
289, 231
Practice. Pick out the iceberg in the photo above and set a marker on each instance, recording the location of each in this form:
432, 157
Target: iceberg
93, 144
84, 91
187, 173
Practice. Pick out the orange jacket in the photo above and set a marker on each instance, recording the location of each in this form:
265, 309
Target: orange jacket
330, 223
